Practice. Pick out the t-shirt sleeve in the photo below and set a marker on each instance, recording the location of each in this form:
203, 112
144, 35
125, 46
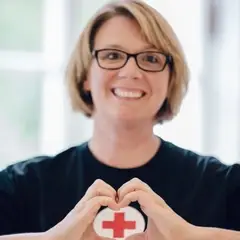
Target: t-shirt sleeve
9, 198
233, 198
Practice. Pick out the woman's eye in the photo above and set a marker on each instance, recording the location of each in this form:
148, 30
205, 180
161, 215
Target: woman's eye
113, 56
151, 59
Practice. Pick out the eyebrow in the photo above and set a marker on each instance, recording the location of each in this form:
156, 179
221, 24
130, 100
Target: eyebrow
147, 47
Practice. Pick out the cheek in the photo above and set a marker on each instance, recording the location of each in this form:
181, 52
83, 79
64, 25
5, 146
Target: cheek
101, 79
104, 77
160, 85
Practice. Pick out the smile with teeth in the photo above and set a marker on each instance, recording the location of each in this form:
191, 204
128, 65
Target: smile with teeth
128, 93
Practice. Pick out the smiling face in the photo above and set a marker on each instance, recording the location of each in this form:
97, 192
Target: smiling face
128, 93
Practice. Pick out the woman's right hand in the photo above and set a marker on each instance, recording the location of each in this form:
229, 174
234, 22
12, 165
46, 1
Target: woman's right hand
78, 224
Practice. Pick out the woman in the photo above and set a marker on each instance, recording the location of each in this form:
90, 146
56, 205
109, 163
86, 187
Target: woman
128, 73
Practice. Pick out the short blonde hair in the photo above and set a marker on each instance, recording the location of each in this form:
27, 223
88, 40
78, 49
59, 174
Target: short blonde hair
155, 29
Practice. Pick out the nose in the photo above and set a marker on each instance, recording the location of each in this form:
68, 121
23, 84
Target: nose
130, 70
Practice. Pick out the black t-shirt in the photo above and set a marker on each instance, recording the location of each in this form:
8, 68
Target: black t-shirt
38, 193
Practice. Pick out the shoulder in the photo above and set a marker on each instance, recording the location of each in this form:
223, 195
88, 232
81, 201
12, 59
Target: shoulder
39, 167
185, 157
200, 166
209, 179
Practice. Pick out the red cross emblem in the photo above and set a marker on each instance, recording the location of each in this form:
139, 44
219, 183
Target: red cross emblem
119, 224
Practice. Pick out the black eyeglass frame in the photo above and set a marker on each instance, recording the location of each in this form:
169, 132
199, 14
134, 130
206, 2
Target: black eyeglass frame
169, 59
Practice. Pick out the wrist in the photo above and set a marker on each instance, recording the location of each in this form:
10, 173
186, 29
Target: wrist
208, 233
193, 233
202, 233
47, 236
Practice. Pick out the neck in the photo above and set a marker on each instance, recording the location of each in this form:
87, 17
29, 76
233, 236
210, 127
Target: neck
123, 145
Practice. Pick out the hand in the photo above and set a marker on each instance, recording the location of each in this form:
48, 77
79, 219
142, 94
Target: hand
163, 222
77, 225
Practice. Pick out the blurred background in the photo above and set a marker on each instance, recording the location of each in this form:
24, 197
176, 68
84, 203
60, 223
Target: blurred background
36, 38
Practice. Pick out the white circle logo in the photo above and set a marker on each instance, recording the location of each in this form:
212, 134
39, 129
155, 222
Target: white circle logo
119, 224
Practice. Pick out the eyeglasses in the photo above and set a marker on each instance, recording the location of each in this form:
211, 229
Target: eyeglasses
150, 61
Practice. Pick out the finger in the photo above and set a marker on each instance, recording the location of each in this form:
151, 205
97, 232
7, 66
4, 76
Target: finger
100, 182
131, 186
147, 203
94, 204
134, 185
91, 208
92, 194
140, 196
77, 221
145, 200
100, 185
98, 188
100, 191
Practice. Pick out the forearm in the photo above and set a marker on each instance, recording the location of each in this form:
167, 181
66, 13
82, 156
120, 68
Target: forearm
27, 236
203, 233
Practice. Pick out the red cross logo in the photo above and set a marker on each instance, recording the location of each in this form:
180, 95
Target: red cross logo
119, 225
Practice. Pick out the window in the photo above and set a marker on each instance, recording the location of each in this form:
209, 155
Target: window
31, 82
21, 25
186, 19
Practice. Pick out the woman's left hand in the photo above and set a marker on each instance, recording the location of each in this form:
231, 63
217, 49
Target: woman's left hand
163, 222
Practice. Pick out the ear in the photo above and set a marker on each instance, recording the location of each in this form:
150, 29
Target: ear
86, 85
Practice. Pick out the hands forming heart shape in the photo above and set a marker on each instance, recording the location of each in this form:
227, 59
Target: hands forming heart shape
163, 222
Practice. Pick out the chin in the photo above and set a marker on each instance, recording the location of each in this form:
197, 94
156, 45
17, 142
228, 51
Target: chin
129, 118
